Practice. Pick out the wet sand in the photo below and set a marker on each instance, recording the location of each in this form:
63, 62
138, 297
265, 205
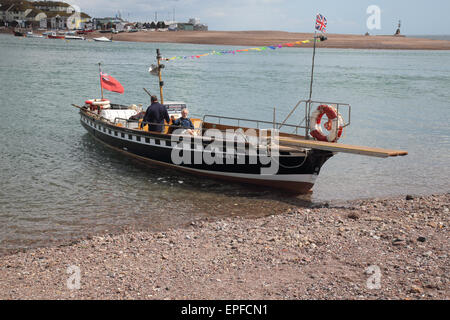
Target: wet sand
367, 249
265, 38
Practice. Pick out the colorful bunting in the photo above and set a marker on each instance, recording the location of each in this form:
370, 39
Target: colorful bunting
219, 53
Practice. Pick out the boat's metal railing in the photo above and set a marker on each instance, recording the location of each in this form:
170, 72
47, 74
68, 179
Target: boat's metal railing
258, 124
125, 122
310, 105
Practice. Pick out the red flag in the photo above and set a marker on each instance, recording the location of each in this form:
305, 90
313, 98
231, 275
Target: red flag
110, 84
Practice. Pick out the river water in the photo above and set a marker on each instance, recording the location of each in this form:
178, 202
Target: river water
57, 183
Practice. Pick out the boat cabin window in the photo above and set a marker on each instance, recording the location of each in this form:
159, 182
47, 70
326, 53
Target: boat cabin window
122, 135
147, 140
138, 138
130, 137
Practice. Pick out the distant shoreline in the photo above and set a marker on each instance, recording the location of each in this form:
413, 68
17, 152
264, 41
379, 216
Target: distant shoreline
266, 38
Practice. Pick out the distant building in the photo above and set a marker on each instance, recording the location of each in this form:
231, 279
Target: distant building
397, 32
43, 14
185, 26
109, 23
193, 25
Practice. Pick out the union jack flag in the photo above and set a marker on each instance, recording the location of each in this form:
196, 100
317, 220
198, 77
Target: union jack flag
321, 23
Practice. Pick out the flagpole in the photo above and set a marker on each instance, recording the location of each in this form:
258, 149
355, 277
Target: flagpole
161, 83
312, 67
100, 75
308, 103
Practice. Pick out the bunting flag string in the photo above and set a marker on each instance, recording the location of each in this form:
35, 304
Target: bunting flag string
219, 53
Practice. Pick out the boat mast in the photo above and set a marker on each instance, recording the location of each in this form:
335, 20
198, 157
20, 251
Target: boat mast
161, 83
100, 75
312, 68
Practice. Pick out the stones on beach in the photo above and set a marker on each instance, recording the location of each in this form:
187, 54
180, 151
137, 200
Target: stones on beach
354, 215
415, 289
427, 254
421, 239
398, 242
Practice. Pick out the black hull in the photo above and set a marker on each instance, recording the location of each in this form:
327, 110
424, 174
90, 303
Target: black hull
296, 173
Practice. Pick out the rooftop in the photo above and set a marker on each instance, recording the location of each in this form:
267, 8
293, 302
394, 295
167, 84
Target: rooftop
51, 4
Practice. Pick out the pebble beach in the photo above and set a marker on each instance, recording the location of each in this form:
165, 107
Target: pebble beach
394, 248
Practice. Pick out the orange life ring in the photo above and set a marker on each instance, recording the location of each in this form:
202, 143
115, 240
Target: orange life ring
97, 101
97, 104
334, 125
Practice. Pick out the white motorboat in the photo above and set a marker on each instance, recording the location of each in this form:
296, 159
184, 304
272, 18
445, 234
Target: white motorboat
102, 39
30, 34
69, 37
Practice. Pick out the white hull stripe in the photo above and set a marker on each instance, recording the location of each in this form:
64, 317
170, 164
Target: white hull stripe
309, 178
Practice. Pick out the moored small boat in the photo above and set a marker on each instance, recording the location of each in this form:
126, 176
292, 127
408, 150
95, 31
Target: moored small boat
30, 34
85, 31
70, 37
102, 39
54, 35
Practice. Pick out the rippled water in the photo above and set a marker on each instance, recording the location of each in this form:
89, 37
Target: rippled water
58, 183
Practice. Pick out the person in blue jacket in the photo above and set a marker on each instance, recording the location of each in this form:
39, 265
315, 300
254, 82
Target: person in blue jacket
156, 114
184, 122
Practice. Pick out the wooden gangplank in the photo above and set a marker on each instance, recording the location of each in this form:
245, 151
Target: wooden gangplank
339, 147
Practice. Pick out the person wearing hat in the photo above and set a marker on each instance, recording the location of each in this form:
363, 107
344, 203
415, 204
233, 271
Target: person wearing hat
155, 115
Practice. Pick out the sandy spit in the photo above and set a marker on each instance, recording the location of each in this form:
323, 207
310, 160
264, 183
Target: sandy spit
368, 249
266, 38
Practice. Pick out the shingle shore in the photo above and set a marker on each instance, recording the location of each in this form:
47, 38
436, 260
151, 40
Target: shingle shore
367, 249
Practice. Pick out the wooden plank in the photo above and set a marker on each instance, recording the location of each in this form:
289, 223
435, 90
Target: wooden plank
339, 147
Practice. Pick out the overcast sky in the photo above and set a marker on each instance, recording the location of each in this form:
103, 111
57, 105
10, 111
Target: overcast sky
344, 16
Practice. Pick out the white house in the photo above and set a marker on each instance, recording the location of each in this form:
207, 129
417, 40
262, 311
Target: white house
43, 14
